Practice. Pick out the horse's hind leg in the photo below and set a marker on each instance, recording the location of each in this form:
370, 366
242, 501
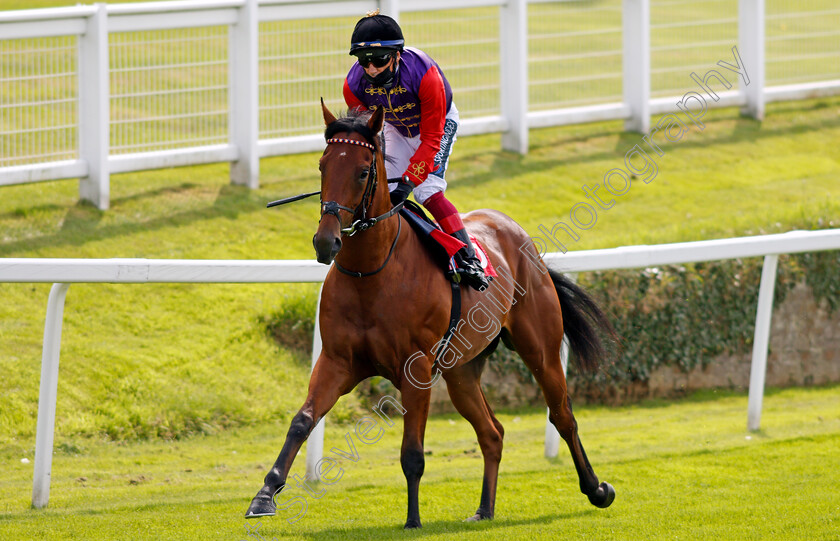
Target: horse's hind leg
536, 343
330, 379
599, 494
463, 384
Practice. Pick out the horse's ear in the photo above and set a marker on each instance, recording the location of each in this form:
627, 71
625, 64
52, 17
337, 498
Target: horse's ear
376, 119
329, 118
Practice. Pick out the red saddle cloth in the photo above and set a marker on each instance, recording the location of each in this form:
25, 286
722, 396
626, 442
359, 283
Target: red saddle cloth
441, 244
486, 264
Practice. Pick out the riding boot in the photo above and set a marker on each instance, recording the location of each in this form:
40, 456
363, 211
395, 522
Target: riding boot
469, 265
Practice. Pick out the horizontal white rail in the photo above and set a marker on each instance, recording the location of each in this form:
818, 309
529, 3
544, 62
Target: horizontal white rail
23, 174
140, 271
32, 270
631, 257
62, 272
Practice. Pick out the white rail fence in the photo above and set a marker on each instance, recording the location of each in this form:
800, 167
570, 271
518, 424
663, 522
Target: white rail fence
91, 91
63, 272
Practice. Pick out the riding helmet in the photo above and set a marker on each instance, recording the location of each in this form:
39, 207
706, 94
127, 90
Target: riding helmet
377, 32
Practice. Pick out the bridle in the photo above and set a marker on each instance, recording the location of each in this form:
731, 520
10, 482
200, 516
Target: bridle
364, 223
333, 208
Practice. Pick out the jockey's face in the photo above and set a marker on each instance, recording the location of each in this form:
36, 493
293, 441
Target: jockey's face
373, 71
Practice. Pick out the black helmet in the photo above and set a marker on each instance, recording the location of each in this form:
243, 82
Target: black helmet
377, 32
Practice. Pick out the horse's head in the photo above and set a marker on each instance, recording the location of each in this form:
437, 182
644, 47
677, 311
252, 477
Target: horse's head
348, 177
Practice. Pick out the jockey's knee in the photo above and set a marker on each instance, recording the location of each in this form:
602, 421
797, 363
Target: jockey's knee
428, 188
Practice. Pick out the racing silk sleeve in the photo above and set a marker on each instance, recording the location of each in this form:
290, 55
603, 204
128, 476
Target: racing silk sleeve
352, 101
432, 95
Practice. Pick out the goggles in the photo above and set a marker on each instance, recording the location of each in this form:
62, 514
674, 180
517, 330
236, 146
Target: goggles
378, 61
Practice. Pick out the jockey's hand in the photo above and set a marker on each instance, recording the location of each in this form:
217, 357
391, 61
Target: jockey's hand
402, 191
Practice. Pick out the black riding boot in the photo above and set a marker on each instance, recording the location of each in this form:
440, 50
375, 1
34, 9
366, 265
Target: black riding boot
470, 267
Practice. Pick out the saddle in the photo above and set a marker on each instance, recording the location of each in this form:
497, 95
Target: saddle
440, 244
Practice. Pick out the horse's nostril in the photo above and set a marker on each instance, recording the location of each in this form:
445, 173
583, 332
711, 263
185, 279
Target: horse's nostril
326, 247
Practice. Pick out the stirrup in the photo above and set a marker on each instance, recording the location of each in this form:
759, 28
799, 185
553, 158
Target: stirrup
471, 273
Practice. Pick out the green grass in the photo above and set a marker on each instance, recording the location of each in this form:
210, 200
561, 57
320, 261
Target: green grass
682, 470
159, 379
156, 380
173, 360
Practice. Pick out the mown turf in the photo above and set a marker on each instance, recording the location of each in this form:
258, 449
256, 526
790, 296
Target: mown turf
682, 470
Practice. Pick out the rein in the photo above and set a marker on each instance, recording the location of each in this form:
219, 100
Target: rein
382, 266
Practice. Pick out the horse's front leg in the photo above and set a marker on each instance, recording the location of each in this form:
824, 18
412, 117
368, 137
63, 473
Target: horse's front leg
330, 379
416, 396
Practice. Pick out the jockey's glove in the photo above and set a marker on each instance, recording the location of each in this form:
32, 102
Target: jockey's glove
402, 191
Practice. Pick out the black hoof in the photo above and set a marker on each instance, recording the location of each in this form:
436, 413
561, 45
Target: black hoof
412, 524
603, 496
262, 505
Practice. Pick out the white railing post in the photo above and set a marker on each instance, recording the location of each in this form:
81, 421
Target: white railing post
315, 443
751, 45
390, 8
244, 95
552, 437
761, 341
94, 106
48, 396
513, 72
636, 64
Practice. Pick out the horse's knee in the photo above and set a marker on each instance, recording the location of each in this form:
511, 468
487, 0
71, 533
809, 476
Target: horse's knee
301, 426
413, 463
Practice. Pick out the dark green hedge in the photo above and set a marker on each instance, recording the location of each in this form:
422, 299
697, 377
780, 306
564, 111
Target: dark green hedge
686, 315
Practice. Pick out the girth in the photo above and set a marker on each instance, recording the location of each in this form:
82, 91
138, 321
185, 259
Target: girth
454, 318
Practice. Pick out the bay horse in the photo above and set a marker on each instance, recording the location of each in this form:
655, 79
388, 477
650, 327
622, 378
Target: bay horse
386, 304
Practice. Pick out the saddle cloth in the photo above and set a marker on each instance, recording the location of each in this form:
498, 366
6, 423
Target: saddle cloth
442, 245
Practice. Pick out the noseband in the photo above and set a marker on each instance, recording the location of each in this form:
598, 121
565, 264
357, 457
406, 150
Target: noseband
363, 223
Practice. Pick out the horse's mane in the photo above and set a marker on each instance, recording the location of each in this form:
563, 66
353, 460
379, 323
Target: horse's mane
354, 121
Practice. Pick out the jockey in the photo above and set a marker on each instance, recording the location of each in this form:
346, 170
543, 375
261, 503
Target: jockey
420, 124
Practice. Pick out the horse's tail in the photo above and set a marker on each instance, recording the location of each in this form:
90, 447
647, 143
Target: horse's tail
583, 322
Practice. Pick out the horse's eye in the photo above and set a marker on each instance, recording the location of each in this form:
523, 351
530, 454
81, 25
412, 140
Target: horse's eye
364, 175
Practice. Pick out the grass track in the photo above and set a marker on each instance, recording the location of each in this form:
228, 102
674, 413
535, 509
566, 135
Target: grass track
167, 361
686, 470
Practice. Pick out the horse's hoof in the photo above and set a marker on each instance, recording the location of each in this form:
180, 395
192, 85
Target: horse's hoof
261, 506
477, 517
412, 524
603, 496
